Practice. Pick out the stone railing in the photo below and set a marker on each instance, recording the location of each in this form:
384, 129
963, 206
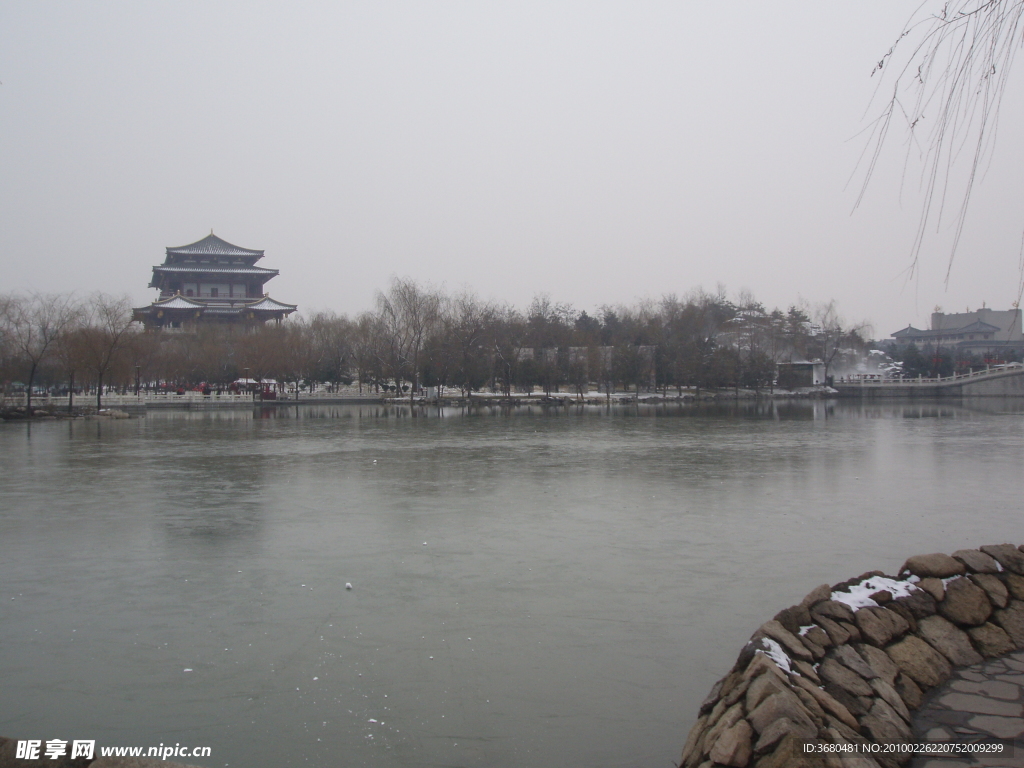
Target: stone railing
850, 663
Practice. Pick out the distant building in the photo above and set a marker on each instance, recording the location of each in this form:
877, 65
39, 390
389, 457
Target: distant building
211, 281
801, 373
982, 332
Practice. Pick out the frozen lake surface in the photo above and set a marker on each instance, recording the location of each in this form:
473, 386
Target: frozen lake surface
542, 587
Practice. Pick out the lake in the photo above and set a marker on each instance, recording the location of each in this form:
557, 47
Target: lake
545, 587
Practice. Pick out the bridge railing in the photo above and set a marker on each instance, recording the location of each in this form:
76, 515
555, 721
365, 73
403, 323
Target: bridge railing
956, 377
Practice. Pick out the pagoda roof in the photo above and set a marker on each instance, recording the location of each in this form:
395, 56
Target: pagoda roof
268, 304
178, 302
211, 245
220, 269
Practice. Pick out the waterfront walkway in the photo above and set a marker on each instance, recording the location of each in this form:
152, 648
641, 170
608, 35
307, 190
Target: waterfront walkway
982, 704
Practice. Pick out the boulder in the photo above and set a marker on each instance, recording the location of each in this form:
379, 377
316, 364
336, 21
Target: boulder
994, 588
990, 640
793, 618
761, 688
790, 643
933, 587
829, 703
780, 728
789, 753
909, 691
836, 630
951, 642
777, 706
817, 595
920, 602
1011, 619
818, 636
879, 661
884, 725
725, 722
892, 698
1011, 558
733, 746
976, 561
832, 609
834, 672
849, 658
879, 625
937, 565
806, 670
1014, 584
965, 603
919, 661
693, 740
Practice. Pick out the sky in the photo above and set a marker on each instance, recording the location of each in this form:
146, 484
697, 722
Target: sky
598, 153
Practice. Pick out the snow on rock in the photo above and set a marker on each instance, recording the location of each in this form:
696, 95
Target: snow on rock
858, 595
775, 653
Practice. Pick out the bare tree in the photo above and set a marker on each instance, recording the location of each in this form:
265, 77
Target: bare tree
33, 325
948, 73
108, 324
409, 314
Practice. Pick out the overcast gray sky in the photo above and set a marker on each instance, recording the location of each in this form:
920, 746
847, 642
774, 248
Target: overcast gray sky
597, 152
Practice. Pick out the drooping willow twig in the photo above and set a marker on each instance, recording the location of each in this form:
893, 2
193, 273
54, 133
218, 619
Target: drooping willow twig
947, 93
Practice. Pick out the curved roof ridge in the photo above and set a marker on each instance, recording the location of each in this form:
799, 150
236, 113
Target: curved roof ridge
213, 245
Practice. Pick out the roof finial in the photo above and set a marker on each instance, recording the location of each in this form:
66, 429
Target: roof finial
211, 230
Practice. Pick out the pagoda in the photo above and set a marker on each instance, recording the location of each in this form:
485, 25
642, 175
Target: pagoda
211, 281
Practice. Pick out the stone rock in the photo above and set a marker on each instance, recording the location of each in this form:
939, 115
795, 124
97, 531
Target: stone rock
806, 670
713, 696
1011, 619
816, 650
693, 740
829, 703
965, 603
780, 728
727, 721
976, 561
790, 643
737, 692
832, 609
854, 704
817, 595
818, 636
933, 587
903, 612
951, 642
919, 603
761, 664
909, 691
1011, 558
884, 725
849, 658
879, 625
937, 565
849, 759
761, 688
919, 661
776, 707
892, 698
834, 672
880, 662
881, 597
733, 746
810, 704
793, 618
990, 640
994, 588
835, 630
1015, 585
790, 753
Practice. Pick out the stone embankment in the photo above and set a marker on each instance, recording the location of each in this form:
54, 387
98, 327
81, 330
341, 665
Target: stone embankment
851, 663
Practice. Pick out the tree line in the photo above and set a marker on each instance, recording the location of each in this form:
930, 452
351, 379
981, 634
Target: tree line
417, 336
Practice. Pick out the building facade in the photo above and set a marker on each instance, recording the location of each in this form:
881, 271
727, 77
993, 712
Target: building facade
211, 281
983, 332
